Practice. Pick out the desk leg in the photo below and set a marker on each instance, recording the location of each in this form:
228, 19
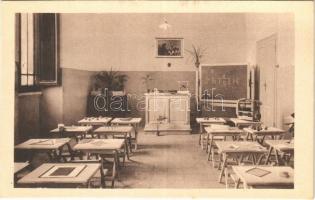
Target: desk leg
126, 148
136, 136
260, 141
210, 146
129, 140
51, 158
59, 156
254, 159
200, 135
223, 167
260, 158
268, 156
237, 184
115, 170
251, 138
277, 157
286, 158
103, 184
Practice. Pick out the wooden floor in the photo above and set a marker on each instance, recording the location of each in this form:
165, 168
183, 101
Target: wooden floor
168, 161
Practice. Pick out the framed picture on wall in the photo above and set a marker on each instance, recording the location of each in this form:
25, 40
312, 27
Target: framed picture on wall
169, 47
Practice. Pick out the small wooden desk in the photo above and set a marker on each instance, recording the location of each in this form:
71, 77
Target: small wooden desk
19, 166
280, 146
224, 132
113, 130
73, 131
35, 178
117, 130
206, 121
237, 150
102, 147
131, 122
241, 123
50, 146
260, 135
95, 121
271, 180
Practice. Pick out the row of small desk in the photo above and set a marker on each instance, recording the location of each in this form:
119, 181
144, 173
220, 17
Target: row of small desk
88, 124
58, 146
247, 144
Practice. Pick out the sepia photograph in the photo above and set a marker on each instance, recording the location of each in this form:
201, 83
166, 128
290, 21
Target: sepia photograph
162, 100
238, 136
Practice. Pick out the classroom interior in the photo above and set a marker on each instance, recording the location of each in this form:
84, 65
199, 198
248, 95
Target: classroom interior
154, 100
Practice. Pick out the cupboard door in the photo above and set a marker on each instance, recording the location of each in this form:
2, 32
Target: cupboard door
158, 107
178, 110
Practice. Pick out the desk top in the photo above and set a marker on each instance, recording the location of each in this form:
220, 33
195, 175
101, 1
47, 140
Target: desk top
114, 129
35, 177
48, 144
99, 144
126, 120
95, 120
73, 129
240, 147
271, 179
268, 131
281, 145
210, 120
223, 130
238, 121
18, 166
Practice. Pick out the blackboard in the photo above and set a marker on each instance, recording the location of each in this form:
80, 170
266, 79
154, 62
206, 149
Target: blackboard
228, 82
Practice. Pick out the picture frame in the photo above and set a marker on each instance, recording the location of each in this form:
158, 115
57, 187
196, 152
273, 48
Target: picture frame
169, 47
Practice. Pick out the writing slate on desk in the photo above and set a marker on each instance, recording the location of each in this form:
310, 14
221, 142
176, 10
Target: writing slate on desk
229, 81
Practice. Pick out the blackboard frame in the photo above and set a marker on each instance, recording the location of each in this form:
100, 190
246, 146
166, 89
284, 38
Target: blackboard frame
226, 102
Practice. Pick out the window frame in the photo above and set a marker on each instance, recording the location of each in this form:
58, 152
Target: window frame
37, 82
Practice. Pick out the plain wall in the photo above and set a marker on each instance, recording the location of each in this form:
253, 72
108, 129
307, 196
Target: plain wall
126, 42
260, 26
51, 109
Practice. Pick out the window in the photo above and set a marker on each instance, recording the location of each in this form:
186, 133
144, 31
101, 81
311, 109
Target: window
27, 72
37, 50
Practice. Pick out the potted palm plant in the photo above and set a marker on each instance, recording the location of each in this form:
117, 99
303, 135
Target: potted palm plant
197, 53
110, 80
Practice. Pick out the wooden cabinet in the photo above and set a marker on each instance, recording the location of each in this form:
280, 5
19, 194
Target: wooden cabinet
172, 109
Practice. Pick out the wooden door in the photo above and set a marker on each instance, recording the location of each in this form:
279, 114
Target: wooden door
178, 110
267, 61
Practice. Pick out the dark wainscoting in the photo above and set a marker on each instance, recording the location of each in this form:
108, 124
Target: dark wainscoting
71, 106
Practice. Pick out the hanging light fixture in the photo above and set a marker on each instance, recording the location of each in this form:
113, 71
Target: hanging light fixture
165, 25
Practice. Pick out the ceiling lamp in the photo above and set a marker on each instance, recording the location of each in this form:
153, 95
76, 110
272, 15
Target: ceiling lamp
165, 25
